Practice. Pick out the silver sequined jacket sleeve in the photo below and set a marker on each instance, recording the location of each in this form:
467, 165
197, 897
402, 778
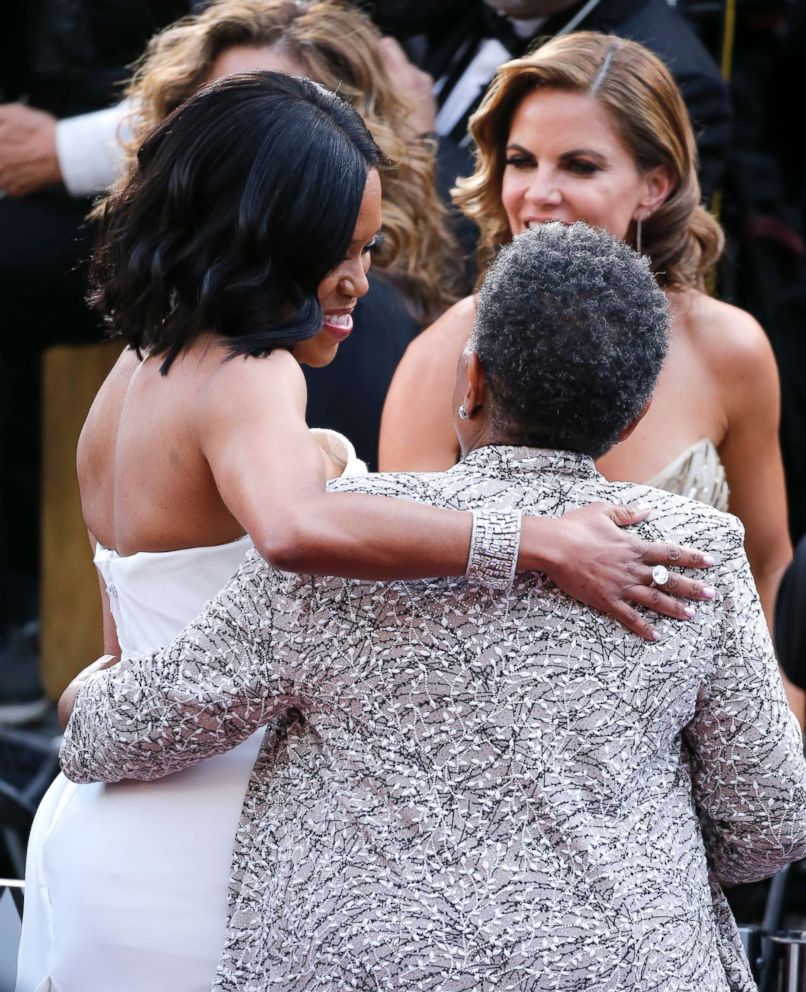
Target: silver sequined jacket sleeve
744, 745
201, 695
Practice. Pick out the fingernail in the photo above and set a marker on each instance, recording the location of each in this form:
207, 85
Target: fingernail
709, 592
655, 635
642, 507
689, 611
709, 560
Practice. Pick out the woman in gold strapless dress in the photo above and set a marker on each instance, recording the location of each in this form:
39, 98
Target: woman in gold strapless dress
591, 127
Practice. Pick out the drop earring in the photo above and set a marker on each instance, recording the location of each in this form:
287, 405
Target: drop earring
638, 226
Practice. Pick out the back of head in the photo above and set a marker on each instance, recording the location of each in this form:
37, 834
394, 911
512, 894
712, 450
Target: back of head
571, 331
241, 202
647, 112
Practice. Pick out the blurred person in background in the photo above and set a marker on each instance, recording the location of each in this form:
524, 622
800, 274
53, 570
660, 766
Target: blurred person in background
764, 212
790, 618
58, 59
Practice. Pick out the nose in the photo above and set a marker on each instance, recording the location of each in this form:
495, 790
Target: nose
544, 188
354, 281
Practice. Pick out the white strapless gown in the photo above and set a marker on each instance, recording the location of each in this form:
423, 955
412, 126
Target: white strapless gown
126, 884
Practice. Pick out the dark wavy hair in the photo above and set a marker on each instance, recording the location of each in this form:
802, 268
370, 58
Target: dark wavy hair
242, 201
571, 330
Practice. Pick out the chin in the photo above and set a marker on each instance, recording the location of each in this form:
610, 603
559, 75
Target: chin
319, 361
316, 356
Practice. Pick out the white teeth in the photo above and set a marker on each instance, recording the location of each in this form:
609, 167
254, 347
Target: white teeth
339, 319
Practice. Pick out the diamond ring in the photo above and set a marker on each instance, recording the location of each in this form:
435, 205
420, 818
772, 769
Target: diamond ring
660, 575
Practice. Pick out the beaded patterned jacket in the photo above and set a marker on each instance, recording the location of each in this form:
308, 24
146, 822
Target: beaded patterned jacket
462, 789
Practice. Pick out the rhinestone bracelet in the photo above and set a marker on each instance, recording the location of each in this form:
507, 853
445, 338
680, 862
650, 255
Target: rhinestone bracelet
494, 546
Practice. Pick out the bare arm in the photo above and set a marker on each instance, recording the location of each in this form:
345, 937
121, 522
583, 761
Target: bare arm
747, 765
222, 677
28, 159
752, 455
270, 474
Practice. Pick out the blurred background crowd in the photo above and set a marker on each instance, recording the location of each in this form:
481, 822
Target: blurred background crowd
81, 81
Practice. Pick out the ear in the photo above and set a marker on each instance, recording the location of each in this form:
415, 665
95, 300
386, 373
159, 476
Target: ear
658, 184
476, 388
635, 422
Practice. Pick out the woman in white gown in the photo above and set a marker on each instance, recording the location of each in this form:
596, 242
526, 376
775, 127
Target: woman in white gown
236, 251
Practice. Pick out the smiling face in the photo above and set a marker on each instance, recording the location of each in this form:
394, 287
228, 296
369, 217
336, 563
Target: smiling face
566, 162
340, 290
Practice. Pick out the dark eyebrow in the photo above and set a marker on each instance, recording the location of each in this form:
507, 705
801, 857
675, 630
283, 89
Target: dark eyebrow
519, 148
584, 151
573, 153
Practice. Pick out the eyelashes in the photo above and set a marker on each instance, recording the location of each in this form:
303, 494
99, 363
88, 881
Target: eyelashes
583, 168
372, 246
520, 161
578, 167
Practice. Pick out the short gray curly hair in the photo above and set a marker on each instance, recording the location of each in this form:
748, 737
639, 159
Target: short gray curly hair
571, 330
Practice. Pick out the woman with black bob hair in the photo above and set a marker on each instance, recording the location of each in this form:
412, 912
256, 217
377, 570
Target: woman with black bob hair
235, 252
241, 205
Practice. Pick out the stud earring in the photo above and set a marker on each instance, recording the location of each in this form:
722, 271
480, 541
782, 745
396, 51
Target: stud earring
463, 414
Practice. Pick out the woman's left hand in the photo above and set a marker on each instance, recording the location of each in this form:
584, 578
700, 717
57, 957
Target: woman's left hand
588, 555
68, 698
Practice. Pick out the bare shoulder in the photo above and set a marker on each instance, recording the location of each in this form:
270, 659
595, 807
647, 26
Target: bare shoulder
107, 405
241, 385
113, 389
429, 363
730, 339
448, 334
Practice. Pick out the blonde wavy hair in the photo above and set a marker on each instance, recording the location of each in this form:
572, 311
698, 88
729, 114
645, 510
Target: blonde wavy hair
337, 46
682, 240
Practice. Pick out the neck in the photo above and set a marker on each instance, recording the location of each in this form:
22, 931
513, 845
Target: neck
496, 437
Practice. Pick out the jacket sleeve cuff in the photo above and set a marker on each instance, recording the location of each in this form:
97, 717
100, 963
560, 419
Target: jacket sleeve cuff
90, 150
